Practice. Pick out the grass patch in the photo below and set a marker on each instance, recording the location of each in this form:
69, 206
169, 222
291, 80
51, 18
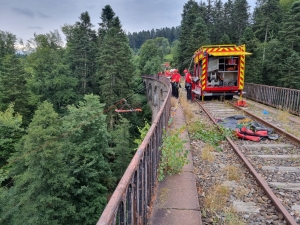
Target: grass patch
187, 110
231, 218
241, 192
283, 115
233, 172
173, 102
207, 153
216, 198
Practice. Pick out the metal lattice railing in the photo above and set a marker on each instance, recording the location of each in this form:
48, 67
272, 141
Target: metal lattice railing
132, 198
280, 98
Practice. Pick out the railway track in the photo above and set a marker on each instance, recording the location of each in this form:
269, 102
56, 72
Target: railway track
268, 188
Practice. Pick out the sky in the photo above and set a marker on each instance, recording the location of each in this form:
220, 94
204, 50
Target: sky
23, 18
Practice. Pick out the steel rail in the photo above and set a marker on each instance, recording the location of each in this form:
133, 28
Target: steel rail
289, 219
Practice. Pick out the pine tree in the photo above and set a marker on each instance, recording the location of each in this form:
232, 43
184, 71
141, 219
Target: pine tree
199, 33
291, 28
254, 65
115, 67
121, 149
86, 149
186, 46
225, 39
267, 18
218, 27
81, 53
107, 17
40, 194
10, 133
7, 44
13, 86
291, 71
51, 78
241, 19
229, 19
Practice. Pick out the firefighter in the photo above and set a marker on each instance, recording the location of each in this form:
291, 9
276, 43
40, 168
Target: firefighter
175, 80
188, 84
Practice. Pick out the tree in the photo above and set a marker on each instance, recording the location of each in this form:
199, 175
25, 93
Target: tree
151, 58
81, 53
187, 47
51, 78
241, 19
40, 194
218, 26
7, 44
199, 33
121, 150
115, 67
107, 17
13, 87
291, 28
254, 64
267, 18
10, 133
86, 149
225, 39
291, 72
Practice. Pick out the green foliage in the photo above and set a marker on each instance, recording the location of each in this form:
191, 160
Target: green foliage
290, 33
81, 54
86, 149
7, 44
267, 17
13, 87
143, 132
10, 133
41, 180
173, 154
60, 171
209, 134
122, 153
115, 65
225, 39
151, 58
137, 39
187, 46
51, 78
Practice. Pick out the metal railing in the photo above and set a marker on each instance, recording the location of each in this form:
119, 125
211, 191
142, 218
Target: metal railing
280, 98
132, 198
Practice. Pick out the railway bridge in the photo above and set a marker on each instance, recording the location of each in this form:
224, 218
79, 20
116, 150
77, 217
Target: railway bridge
132, 200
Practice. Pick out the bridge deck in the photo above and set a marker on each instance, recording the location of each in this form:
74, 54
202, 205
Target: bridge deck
176, 200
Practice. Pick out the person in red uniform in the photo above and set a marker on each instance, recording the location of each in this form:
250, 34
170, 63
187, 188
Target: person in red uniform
188, 84
175, 80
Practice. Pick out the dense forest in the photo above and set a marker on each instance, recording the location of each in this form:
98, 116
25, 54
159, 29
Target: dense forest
63, 148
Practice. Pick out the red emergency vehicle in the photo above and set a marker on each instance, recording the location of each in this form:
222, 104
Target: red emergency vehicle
220, 69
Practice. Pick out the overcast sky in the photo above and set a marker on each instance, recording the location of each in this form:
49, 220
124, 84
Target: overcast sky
24, 17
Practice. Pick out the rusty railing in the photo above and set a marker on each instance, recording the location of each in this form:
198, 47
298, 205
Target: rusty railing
280, 98
132, 198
